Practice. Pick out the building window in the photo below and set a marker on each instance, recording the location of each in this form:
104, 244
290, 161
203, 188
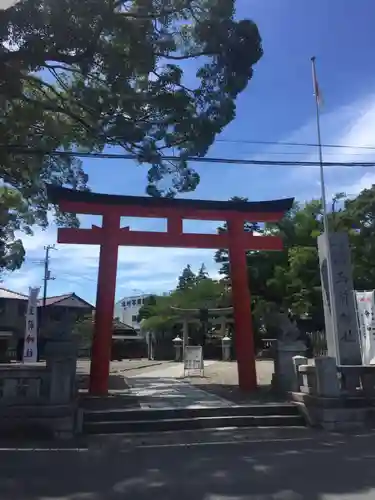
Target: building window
139, 301
134, 319
134, 302
129, 303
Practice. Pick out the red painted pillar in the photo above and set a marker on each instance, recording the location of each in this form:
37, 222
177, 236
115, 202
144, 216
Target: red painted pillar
105, 301
244, 335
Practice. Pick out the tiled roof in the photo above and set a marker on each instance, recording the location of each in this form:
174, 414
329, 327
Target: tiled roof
8, 294
53, 300
50, 301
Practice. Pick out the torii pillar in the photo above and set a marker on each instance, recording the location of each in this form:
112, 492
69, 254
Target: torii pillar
110, 236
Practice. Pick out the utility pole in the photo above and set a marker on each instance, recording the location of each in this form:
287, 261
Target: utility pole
47, 274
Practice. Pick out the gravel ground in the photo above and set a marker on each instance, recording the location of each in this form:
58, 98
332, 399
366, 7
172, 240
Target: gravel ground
222, 379
120, 395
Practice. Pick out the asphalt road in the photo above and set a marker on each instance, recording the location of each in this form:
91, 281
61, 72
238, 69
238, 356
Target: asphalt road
308, 465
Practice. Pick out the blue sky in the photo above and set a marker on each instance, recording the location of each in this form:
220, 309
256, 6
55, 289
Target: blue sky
277, 105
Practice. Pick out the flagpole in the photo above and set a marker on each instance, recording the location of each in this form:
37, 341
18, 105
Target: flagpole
325, 214
320, 150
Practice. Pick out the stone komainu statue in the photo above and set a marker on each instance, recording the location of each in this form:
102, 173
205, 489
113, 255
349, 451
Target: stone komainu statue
286, 328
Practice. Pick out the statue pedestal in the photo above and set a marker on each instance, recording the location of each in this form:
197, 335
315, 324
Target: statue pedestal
61, 357
284, 379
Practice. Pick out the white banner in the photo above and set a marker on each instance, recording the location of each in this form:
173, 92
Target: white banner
30, 347
366, 319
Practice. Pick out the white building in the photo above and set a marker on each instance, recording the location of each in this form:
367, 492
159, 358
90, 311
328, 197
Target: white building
127, 310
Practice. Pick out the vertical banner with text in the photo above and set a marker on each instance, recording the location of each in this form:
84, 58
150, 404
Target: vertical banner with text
366, 318
30, 348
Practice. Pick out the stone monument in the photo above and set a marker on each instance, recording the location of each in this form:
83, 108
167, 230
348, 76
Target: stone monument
342, 333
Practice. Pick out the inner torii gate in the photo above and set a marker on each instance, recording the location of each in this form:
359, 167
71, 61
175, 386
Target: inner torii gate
110, 235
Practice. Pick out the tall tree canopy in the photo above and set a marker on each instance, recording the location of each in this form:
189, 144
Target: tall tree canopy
195, 293
85, 74
290, 279
187, 279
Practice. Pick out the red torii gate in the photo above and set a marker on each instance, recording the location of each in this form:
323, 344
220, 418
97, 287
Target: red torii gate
111, 235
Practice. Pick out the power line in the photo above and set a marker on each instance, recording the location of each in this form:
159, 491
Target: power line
306, 144
79, 154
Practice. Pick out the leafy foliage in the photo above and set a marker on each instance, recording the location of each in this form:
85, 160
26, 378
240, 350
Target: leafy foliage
157, 313
287, 280
86, 74
187, 279
83, 330
290, 280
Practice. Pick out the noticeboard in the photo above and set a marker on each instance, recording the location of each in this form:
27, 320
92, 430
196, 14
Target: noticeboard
193, 360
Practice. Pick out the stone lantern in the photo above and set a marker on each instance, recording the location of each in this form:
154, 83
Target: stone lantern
177, 342
226, 343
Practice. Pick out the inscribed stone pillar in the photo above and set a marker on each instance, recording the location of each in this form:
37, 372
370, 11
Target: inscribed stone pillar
185, 335
341, 320
61, 356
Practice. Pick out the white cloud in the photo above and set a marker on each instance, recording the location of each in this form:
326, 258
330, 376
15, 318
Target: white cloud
20, 281
349, 125
75, 267
364, 182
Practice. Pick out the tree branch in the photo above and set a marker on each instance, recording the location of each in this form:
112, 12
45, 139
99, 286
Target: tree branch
58, 109
183, 57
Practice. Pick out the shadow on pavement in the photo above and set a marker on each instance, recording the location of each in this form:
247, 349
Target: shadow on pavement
119, 395
234, 394
116, 382
306, 465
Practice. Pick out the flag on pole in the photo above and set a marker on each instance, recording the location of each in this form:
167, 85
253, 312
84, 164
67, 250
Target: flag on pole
317, 93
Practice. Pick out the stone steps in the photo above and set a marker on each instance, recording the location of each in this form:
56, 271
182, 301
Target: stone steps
178, 419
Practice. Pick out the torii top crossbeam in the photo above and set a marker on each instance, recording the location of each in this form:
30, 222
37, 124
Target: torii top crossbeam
113, 207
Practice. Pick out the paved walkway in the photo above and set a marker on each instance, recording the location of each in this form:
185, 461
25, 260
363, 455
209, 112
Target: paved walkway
309, 466
161, 388
173, 370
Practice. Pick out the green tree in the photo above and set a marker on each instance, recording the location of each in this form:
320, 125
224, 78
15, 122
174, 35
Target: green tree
83, 331
202, 273
358, 216
12, 253
187, 279
204, 294
85, 74
288, 279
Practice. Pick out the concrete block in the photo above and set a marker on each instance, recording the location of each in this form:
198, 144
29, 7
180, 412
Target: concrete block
297, 362
327, 382
285, 379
